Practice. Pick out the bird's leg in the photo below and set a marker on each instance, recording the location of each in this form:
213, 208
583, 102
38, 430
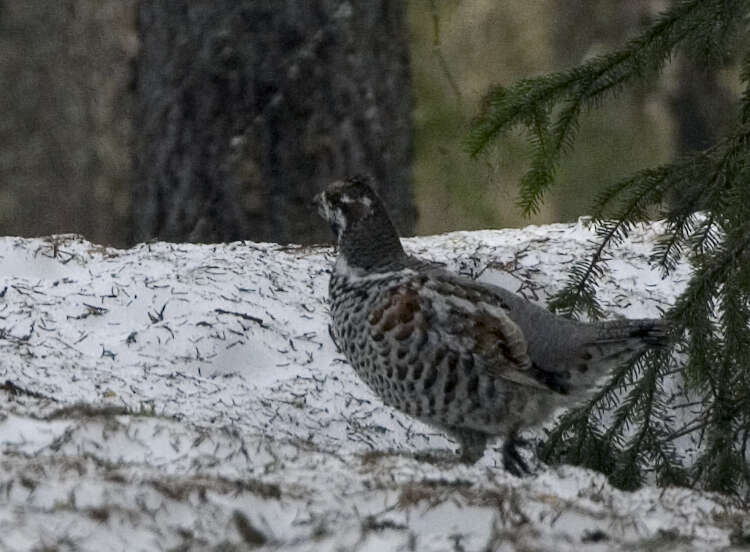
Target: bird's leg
472, 444
513, 462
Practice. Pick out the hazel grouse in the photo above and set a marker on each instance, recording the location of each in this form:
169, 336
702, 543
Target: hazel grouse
473, 359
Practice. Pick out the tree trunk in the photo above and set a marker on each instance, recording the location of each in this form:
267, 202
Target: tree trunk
701, 105
244, 109
64, 117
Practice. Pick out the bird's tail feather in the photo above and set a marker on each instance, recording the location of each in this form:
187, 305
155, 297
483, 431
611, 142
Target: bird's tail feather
610, 345
647, 331
620, 340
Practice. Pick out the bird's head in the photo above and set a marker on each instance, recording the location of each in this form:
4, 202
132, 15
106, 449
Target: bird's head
345, 204
365, 234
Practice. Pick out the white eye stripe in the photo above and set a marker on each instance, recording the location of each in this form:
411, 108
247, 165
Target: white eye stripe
364, 200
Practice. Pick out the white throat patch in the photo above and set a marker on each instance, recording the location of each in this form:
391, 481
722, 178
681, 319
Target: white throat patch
355, 274
332, 215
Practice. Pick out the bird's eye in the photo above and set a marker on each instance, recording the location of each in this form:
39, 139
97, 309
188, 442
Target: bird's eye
334, 198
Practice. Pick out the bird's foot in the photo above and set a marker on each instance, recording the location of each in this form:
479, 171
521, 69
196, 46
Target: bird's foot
513, 462
473, 444
470, 455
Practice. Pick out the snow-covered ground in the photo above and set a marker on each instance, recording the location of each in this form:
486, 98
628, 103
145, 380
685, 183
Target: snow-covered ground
188, 397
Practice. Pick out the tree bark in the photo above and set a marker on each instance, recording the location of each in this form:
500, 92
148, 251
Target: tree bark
244, 109
700, 104
64, 117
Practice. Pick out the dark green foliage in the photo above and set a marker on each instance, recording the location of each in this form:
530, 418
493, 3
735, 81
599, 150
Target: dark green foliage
704, 27
628, 430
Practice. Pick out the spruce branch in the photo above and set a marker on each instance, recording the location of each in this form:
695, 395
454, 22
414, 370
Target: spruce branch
706, 180
542, 172
669, 248
507, 107
578, 432
637, 400
579, 293
706, 236
705, 200
667, 463
589, 84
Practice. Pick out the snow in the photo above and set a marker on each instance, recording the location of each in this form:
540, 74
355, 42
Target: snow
175, 396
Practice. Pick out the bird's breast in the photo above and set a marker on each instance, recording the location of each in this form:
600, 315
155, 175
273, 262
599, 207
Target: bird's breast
392, 343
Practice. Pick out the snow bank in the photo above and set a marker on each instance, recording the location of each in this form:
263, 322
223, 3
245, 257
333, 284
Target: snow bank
189, 396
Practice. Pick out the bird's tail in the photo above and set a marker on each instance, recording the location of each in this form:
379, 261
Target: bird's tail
608, 346
622, 339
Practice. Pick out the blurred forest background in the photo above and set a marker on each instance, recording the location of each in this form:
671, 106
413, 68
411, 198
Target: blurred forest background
68, 122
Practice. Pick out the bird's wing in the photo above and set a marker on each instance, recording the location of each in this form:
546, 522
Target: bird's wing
464, 319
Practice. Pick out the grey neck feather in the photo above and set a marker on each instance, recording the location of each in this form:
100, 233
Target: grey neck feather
372, 243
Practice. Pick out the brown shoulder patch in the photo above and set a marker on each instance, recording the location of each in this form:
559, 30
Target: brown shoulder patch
400, 312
